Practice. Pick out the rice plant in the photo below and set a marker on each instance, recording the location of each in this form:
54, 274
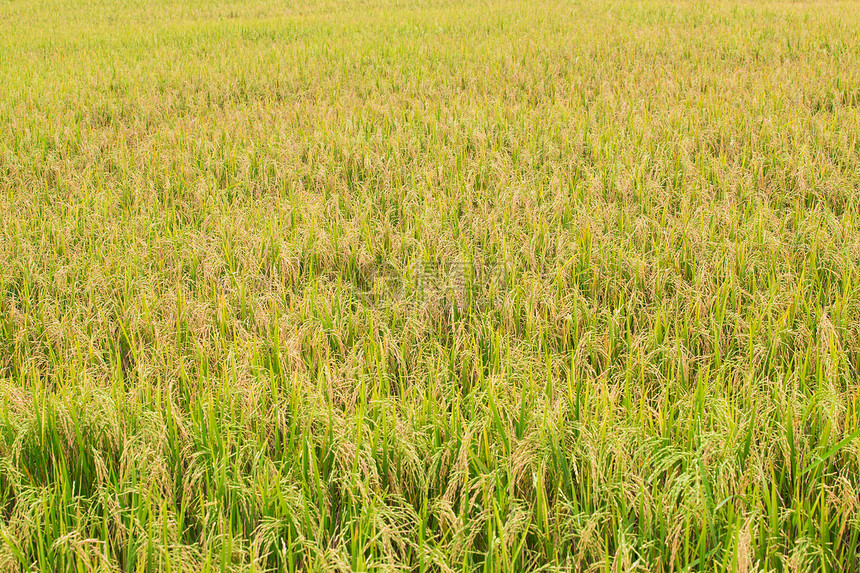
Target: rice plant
429, 286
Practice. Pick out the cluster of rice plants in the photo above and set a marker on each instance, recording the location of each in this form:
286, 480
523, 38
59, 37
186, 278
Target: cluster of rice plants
429, 285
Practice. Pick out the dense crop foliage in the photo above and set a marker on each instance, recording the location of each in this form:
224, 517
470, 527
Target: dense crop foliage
429, 286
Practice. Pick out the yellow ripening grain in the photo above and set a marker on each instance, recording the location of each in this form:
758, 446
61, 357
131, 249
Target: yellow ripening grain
429, 286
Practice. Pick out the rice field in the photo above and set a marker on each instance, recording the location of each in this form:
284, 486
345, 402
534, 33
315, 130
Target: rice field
429, 286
